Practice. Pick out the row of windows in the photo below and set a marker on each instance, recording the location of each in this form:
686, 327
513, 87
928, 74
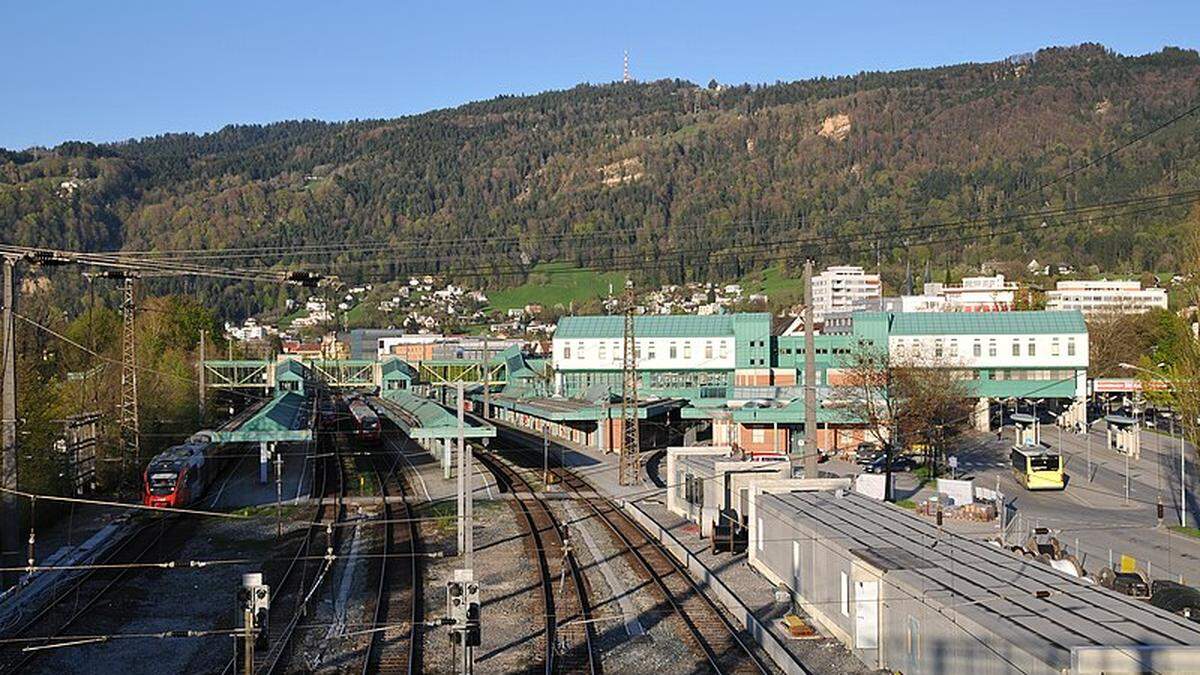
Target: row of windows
1036, 375
799, 351
670, 379
943, 348
687, 380
651, 350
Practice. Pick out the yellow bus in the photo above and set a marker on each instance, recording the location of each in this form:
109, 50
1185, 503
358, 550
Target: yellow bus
1038, 468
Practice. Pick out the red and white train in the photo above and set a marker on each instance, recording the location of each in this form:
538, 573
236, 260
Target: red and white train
366, 421
180, 475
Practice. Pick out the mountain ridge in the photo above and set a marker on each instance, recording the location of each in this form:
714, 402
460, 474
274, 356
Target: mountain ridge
597, 171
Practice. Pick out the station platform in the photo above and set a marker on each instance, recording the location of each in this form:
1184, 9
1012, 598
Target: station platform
427, 480
748, 596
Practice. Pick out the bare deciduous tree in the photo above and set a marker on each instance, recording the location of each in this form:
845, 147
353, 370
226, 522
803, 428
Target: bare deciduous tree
918, 400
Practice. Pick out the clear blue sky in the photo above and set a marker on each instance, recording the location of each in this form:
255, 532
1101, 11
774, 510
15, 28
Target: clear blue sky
107, 71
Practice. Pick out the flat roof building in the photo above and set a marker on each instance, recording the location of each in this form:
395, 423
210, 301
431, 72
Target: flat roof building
974, 294
1102, 296
844, 288
905, 596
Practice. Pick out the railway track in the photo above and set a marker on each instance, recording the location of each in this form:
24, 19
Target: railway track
570, 640
73, 604
396, 618
724, 647
296, 586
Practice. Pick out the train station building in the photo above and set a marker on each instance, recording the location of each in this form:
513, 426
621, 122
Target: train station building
732, 379
740, 377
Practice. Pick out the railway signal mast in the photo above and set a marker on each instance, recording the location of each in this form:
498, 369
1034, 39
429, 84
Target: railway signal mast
630, 461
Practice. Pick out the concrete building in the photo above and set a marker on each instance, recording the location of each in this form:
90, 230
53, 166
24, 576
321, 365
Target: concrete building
843, 289
704, 481
905, 596
974, 294
1105, 297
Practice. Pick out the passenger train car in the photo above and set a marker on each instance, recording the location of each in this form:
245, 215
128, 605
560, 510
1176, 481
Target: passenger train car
180, 475
366, 422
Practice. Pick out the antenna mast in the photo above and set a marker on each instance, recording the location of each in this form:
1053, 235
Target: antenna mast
625, 76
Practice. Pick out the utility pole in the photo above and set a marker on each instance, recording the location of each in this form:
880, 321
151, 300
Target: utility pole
466, 540
1182, 475
278, 493
200, 393
128, 418
487, 380
810, 377
10, 540
631, 445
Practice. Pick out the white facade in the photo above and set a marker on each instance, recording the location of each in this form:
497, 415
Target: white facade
974, 294
659, 353
1050, 357
1106, 297
843, 289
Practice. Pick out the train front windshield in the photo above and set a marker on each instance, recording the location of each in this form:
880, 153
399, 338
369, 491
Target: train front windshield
162, 483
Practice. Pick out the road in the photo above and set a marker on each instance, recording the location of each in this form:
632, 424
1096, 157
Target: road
1092, 515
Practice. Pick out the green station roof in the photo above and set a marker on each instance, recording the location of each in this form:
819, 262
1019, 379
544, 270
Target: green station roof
579, 410
420, 417
986, 323
665, 325
284, 418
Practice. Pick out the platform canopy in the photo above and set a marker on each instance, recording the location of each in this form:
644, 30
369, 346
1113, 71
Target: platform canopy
558, 409
287, 417
420, 417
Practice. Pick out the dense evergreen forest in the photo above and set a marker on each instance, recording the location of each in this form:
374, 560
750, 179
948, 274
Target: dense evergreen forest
675, 180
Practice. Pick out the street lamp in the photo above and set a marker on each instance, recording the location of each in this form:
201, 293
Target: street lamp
1182, 450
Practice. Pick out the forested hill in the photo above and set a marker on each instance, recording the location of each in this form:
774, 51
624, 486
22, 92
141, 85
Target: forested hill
595, 173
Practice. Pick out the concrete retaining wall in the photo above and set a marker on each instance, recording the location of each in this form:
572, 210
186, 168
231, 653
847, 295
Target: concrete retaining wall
711, 583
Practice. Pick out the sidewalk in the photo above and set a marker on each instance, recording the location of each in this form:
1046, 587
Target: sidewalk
729, 579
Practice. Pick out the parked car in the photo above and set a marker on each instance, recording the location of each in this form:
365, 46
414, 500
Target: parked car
899, 463
867, 452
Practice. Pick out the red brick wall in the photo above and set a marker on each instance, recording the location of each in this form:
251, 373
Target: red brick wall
745, 438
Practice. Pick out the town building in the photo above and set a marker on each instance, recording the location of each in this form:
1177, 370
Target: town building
844, 288
1101, 296
974, 294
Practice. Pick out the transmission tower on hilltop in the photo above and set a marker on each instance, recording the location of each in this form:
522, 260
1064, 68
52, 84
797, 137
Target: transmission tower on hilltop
625, 76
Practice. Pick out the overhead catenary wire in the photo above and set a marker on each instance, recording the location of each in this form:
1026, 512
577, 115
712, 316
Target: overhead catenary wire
892, 234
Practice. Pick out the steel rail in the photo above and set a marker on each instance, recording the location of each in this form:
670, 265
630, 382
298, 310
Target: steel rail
529, 501
587, 494
377, 657
155, 530
274, 657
